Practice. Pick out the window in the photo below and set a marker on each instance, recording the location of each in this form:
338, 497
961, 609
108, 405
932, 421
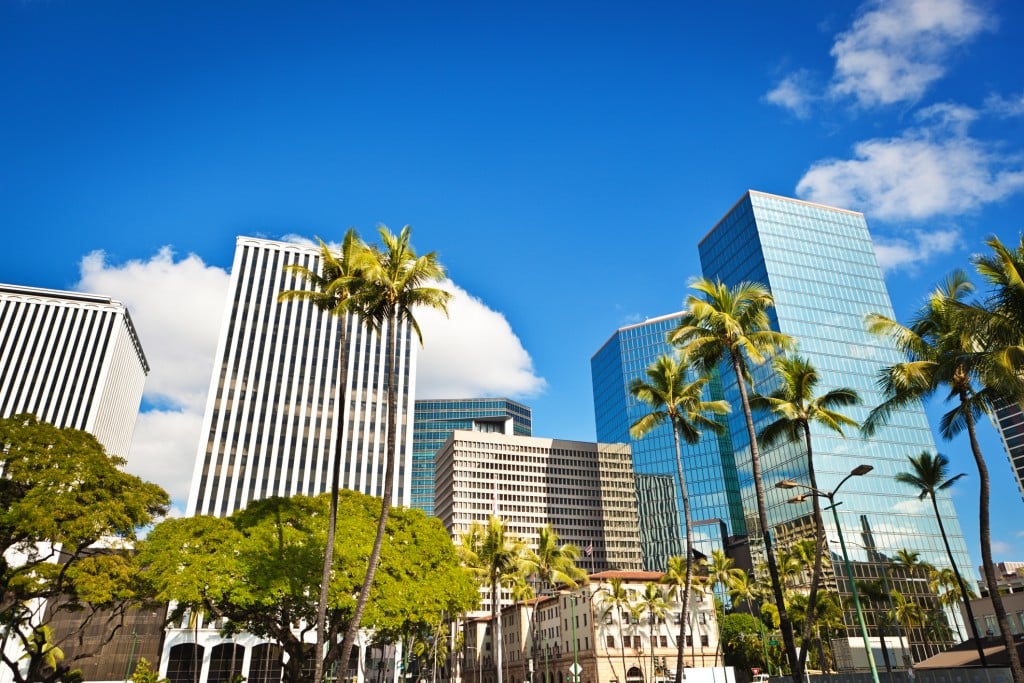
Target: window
609, 641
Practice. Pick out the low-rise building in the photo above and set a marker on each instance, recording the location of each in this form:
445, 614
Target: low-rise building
589, 632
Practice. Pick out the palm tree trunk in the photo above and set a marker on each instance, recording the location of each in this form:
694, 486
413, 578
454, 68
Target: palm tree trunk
885, 650
819, 533
986, 545
785, 625
340, 404
960, 583
496, 625
385, 506
688, 574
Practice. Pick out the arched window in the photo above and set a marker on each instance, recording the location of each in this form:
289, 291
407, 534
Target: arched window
183, 662
635, 675
225, 663
265, 664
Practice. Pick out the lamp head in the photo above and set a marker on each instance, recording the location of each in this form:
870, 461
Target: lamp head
861, 470
786, 484
798, 498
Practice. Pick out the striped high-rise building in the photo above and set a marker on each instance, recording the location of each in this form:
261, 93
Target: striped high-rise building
73, 360
272, 412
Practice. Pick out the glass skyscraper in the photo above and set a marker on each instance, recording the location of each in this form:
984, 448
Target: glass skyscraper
820, 266
707, 465
434, 420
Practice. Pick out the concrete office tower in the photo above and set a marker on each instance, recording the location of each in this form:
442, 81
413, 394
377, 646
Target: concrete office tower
273, 412
821, 268
584, 490
707, 465
73, 360
436, 419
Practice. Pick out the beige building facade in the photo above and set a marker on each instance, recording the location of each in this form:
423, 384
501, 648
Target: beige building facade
610, 642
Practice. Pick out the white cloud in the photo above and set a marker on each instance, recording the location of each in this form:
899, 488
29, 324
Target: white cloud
793, 93
1005, 106
911, 506
907, 253
927, 171
1002, 547
896, 49
473, 352
177, 307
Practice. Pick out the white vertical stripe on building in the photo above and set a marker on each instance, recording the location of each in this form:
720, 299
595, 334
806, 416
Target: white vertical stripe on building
73, 360
272, 411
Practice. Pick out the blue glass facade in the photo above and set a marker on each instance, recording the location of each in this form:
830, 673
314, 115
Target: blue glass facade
708, 466
820, 266
434, 421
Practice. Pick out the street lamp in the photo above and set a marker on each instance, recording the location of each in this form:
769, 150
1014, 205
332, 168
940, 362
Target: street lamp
575, 678
858, 471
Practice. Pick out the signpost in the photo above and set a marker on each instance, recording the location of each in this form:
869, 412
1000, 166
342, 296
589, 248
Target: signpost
574, 672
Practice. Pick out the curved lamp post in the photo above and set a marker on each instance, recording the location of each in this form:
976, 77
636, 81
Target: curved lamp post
858, 471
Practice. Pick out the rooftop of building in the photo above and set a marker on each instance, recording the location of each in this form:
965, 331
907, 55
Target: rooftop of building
535, 441
81, 298
749, 193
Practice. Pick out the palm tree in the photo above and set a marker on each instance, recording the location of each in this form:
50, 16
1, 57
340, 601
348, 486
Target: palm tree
731, 324
944, 583
334, 290
874, 593
680, 404
496, 558
929, 474
944, 352
744, 587
797, 407
654, 602
554, 564
721, 572
1002, 318
617, 603
907, 612
395, 284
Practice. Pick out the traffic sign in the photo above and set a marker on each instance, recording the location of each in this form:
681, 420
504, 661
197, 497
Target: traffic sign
755, 670
575, 669
773, 642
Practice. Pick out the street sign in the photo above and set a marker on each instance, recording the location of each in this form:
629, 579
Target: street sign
773, 642
575, 669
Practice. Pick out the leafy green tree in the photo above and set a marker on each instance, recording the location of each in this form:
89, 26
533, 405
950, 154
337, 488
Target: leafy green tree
395, 283
265, 576
741, 642
797, 406
721, 572
335, 290
929, 474
731, 324
680, 404
907, 612
943, 351
61, 494
145, 673
496, 558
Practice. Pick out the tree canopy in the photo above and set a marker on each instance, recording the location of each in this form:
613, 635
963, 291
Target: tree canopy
68, 517
265, 576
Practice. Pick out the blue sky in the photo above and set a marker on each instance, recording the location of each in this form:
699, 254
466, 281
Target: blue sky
564, 159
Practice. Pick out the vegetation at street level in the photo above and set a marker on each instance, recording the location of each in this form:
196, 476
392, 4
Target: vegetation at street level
335, 289
796, 406
379, 288
731, 325
260, 570
976, 365
496, 558
929, 475
62, 497
678, 402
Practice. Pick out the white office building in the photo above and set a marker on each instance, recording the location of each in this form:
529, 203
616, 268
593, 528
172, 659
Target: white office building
73, 360
271, 414
270, 424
